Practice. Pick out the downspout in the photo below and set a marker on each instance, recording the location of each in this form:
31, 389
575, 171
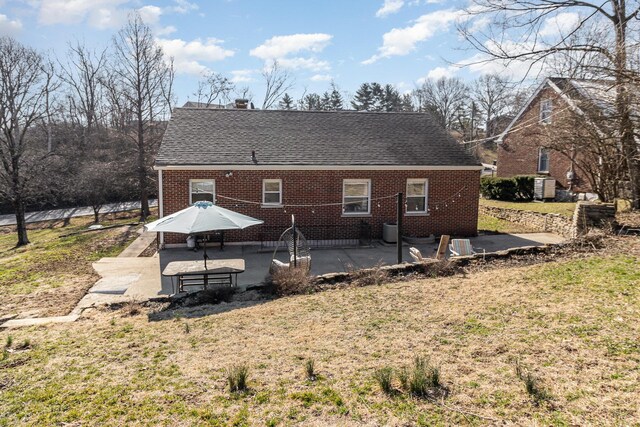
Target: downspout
160, 205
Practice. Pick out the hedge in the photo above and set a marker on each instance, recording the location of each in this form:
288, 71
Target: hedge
516, 189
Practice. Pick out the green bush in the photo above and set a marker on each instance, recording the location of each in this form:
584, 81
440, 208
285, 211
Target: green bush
516, 189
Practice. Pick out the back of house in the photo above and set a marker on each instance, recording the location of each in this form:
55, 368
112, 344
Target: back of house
338, 172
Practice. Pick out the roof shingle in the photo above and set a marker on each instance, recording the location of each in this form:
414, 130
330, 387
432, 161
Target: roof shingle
307, 138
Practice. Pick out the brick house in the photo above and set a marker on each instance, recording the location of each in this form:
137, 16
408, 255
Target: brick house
338, 172
524, 147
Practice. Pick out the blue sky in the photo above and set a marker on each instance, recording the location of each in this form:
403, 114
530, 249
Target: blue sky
347, 41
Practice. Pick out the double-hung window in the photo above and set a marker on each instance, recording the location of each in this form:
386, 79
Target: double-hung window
543, 160
202, 190
417, 190
272, 192
356, 196
546, 107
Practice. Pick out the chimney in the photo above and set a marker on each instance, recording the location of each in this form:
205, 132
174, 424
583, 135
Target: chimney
242, 103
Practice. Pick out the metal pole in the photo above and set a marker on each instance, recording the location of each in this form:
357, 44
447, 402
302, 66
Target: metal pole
399, 227
295, 243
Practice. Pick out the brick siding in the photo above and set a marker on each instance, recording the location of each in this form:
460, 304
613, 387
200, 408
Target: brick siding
458, 217
518, 154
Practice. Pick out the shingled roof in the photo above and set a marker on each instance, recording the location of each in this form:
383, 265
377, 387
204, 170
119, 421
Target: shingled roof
199, 137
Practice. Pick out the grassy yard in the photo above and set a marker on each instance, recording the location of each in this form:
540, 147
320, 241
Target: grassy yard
493, 224
50, 275
570, 325
565, 209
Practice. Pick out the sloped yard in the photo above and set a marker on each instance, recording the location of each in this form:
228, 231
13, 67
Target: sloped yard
49, 276
570, 324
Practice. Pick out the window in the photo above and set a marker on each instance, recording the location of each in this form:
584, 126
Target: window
356, 196
416, 196
202, 190
543, 160
545, 111
272, 192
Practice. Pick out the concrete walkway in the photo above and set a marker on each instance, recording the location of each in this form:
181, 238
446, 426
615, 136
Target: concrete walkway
22, 323
138, 246
57, 214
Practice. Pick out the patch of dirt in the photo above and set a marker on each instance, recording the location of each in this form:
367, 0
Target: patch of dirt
151, 250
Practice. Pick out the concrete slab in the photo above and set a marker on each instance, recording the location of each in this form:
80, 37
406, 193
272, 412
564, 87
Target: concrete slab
138, 246
21, 323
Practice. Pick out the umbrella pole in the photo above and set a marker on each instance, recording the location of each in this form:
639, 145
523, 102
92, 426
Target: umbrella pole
204, 244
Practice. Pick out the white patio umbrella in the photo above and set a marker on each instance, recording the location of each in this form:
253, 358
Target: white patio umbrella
200, 218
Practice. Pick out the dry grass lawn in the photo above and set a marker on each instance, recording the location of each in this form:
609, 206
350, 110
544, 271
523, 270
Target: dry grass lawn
560, 208
571, 323
49, 276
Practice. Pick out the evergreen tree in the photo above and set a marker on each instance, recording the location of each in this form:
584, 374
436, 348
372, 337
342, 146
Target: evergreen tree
377, 94
336, 103
286, 103
325, 102
363, 99
312, 101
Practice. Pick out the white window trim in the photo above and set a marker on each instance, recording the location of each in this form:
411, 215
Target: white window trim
540, 158
357, 181
424, 181
264, 192
213, 181
547, 120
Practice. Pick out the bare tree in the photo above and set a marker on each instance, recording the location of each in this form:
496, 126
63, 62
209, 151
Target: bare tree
24, 85
141, 77
277, 82
214, 87
602, 40
446, 97
492, 94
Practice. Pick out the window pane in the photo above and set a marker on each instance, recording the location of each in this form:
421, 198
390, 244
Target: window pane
201, 197
356, 204
272, 198
360, 189
272, 185
202, 187
416, 204
415, 189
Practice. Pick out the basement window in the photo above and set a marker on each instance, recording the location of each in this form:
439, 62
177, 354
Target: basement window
356, 196
272, 192
417, 196
202, 190
546, 107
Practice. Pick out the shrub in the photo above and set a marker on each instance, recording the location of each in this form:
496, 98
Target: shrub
384, 378
516, 189
291, 281
237, 377
216, 295
309, 369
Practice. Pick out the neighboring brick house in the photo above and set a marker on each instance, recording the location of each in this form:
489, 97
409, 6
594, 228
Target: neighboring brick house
523, 147
333, 170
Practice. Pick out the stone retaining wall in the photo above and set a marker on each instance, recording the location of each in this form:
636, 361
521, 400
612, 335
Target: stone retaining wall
594, 215
549, 222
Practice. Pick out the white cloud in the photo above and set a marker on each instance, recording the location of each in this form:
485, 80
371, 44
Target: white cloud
151, 16
481, 63
321, 78
280, 46
402, 41
389, 7
9, 26
242, 76
287, 50
560, 24
438, 72
189, 56
100, 13
183, 6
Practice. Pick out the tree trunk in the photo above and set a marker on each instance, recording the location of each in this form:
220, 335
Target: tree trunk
21, 223
143, 181
96, 214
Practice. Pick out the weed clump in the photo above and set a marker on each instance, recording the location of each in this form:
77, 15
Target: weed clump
309, 369
369, 276
423, 378
532, 385
290, 281
237, 377
384, 378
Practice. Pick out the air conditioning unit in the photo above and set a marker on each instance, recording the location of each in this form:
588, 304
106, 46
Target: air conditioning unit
544, 189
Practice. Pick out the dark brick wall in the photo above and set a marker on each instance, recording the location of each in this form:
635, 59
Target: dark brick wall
518, 154
458, 217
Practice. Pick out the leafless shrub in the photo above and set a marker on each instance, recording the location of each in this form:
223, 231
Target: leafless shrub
369, 276
290, 281
442, 268
131, 308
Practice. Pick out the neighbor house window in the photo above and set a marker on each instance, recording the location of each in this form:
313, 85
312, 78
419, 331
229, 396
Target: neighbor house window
543, 160
545, 111
272, 192
356, 196
416, 195
202, 190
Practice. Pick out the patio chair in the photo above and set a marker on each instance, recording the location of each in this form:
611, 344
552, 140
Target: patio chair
298, 248
462, 247
440, 253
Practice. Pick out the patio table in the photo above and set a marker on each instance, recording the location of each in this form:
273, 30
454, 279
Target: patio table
194, 273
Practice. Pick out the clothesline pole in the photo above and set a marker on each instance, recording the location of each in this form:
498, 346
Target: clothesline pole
399, 229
